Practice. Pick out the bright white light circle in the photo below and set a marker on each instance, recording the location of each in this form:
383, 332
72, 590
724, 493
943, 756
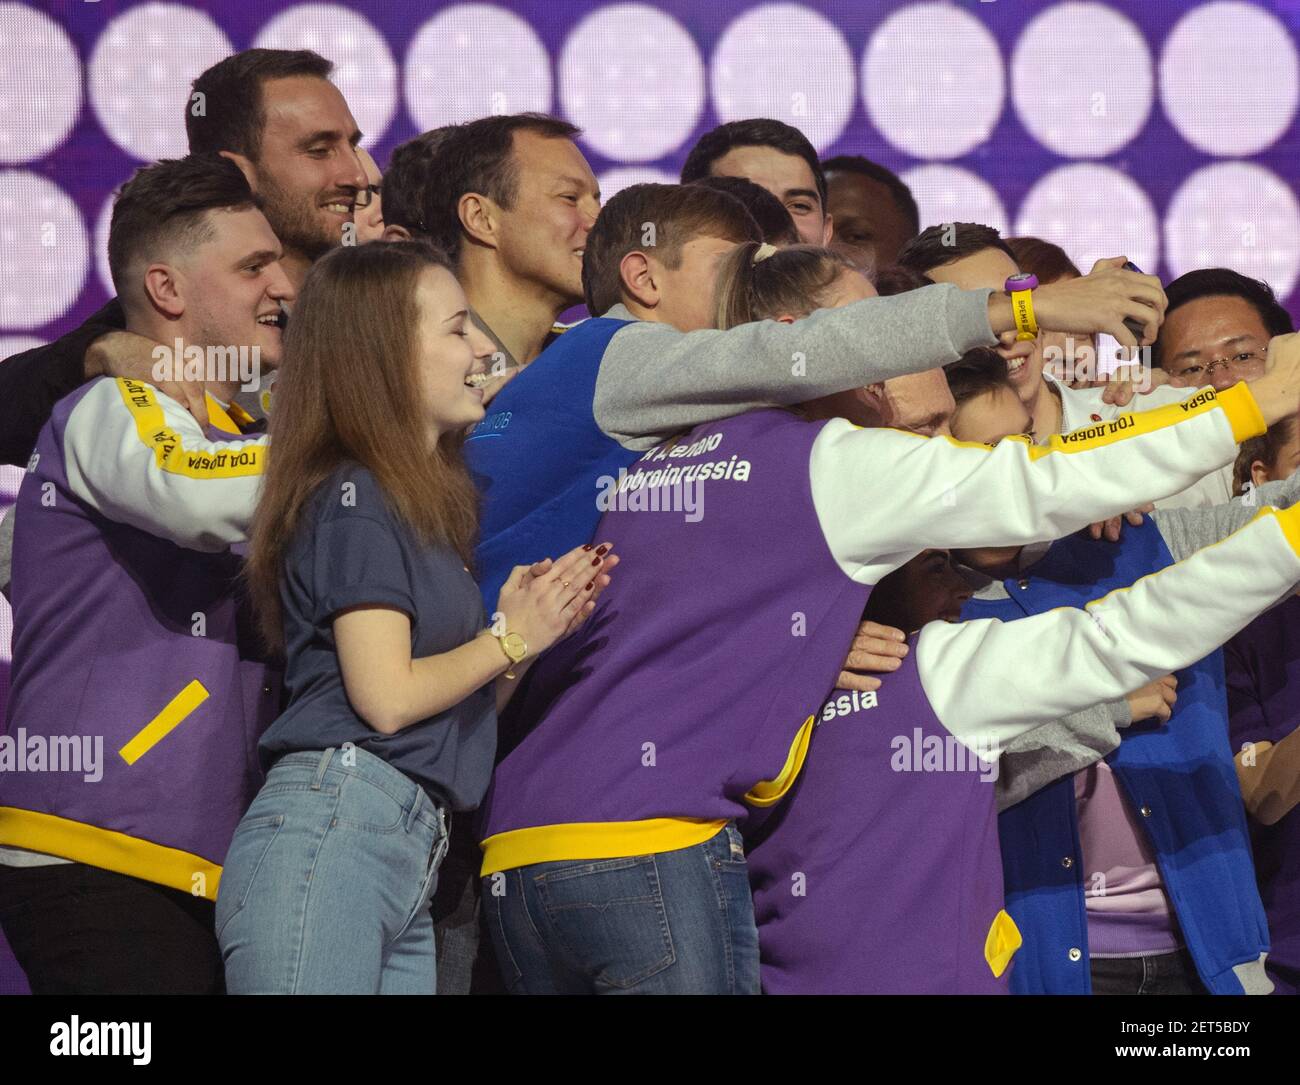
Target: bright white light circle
932, 80
1237, 215
1092, 212
1229, 78
11, 478
45, 251
103, 221
40, 84
612, 182
364, 69
140, 76
632, 79
788, 62
948, 194
16, 344
475, 60
1082, 80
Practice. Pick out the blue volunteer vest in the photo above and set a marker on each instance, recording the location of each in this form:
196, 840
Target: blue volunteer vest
538, 455
1179, 777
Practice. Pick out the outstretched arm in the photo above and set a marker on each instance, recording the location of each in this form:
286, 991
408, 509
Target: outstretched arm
944, 493
990, 681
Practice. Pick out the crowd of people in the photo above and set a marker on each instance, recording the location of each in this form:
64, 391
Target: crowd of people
821, 614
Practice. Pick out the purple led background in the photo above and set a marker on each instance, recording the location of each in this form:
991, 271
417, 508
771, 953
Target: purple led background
88, 165
1221, 92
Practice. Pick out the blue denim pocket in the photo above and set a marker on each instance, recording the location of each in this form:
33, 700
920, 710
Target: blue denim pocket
366, 806
249, 848
610, 917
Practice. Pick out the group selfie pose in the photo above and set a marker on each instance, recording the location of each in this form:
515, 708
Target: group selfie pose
814, 615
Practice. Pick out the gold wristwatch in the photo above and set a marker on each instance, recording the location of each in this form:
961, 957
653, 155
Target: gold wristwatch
514, 647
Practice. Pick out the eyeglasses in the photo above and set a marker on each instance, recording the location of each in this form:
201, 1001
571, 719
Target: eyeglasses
1237, 364
365, 197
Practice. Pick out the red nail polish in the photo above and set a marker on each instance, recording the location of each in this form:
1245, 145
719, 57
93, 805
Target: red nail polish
603, 550
595, 561
587, 547
590, 585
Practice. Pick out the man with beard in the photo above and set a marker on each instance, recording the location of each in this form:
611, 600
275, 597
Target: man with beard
276, 115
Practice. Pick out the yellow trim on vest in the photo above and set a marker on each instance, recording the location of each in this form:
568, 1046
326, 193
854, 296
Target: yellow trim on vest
1289, 521
770, 792
109, 850
171, 454
1002, 942
222, 418
165, 722
1238, 403
593, 840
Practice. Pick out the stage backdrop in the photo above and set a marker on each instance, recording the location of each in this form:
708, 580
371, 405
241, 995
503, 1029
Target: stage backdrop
1163, 130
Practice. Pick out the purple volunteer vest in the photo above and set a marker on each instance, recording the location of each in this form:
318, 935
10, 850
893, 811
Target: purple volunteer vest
878, 874
115, 628
691, 681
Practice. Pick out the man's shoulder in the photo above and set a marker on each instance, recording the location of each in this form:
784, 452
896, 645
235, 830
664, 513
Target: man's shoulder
573, 357
99, 394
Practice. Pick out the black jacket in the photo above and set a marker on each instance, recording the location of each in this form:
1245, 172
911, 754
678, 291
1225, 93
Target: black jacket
32, 382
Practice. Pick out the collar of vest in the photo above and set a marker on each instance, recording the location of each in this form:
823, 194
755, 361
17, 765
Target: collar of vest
228, 417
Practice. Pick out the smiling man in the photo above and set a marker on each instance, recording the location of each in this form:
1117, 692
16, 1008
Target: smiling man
511, 200
128, 625
273, 112
774, 155
286, 126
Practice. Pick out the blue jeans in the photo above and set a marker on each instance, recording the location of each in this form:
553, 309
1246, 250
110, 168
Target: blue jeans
676, 922
327, 884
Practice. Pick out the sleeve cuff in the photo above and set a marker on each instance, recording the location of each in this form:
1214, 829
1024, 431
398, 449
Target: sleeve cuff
360, 595
1238, 403
1121, 715
968, 320
1289, 521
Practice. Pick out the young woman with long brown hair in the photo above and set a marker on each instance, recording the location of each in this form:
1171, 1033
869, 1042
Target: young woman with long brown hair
358, 569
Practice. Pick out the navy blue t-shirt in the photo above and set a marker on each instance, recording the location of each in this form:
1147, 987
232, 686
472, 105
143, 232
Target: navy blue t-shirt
351, 549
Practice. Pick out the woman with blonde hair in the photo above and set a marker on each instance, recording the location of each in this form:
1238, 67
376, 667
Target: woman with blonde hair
359, 573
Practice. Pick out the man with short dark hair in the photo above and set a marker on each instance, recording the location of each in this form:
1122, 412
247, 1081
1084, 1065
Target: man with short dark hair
640, 371
656, 250
276, 115
874, 211
130, 645
773, 219
774, 155
1220, 322
510, 199
945, 244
